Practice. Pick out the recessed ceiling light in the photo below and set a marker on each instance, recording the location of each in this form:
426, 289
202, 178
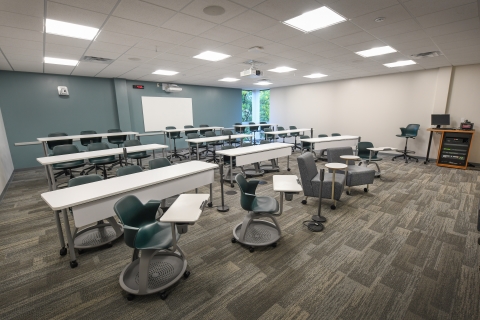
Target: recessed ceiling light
72, 30
263, 82
282, 69
212, 56
165, 72
380, 19
376, 51
315, 19
399, 63
214, 10
229, 79
134, 59
64, 62
315, 75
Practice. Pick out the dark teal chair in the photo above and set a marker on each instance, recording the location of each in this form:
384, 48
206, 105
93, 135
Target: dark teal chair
101, 162
192, 147
212, 144
189, 131
410, 132
231, 141
203, 131
336, 134
86, 141
282, 135
253, 130
53, 144
322, 154
295, 135
124, 171
158, 163
364, 154
239, 129
136, 155
118, 140
155, 250
268, 136
306, 146
254, 232
66, 167
174, 135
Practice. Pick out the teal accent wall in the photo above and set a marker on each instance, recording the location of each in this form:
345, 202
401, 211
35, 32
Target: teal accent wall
32, 108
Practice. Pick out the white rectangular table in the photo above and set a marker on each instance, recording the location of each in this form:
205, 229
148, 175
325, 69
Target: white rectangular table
286, 184
333, 142
197, 141
94, 201
48, 162
166, 131
372, 151
83, 136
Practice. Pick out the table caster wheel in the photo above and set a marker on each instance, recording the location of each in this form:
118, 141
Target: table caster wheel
81, 251
348, 193
393, 159
231, 185
63, 251
234, 240
333, 207
304, 201
289, 169
365, 189
163, 295
417, 160
274, 245
186, 274
73, 264
210, 204
130, 297
424, 162
251, 249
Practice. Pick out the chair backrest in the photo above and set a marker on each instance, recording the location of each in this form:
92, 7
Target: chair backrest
86, 141
362, 149
252, 128
268, 136
264, 141
293, 127
305, 144
124, 171
158, 163
210, 134
227, 132
53, 144
239, 129
281, 135
132, 143
77, 181
174, 134
116, 139
202, 132
336, 134
193, 136
128, 210
333, 154
322, 135
65, 149
190, 131
247, 196
308, 171
411, 130
97, 146
247, 144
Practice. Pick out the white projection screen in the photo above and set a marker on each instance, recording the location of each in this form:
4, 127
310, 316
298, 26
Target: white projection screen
160, 112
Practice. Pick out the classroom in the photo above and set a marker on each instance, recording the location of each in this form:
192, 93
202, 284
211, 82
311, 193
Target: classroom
239, 159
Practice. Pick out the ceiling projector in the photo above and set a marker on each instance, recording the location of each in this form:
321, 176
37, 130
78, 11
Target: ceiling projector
251, 73
170, 87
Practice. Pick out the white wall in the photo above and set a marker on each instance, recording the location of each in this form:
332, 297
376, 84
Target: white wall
6, 164
373, 108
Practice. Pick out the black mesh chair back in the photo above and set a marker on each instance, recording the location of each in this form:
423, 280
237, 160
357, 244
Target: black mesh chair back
190, 131
202, 132
86, 141
118, 140
53, 144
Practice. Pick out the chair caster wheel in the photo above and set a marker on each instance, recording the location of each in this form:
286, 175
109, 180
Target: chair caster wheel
289, 169
333, 207
234, 240
109, 245
73, 264
251, 249
424, 162
304, 201
81, 251
210, 204
163, 295
231, 185
186, 274
393, 159
348, 193
417, 160
63, 251
274, 245
365, 189
130, 297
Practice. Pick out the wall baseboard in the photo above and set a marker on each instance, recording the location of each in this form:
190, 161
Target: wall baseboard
6, 187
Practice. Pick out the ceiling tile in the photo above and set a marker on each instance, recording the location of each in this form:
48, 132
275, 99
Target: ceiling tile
136, 73
351, 39
133, 28
203, 44
153, 45
462, 35
58, 69
142, 53
366, 45
418, 48
337, 30
231, 50
20, 54
251, 41
282, 10
451, 15
26, 66
196, 7
176, 5
116, 38
70, 14
351, 9
391, 14
21, 21
458, 26
169, 36
279, 32
143, 12
421, 7
393, 29
274, 48
414, 44
405, 37
187, 24
115, 70
223, 34
66, 41
27, 7
22, 34
248, 3
334, 52
460, 44
24, 44
251, 22
102, 54
89, 69
301, 40
103, 6
320, 47
70, 52
99, 45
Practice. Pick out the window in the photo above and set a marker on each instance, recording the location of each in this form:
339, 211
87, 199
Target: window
246, 105
265, 105
255, 105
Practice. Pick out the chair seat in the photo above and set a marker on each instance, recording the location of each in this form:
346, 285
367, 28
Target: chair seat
327, 185
358, 176
406, 136
159, 236
138, 155
265, 205
68, 165
103, 160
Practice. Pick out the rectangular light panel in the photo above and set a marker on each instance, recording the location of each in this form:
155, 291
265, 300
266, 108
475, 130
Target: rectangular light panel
64, 62
315, 75
165, 72
263, 83
72, 30
315, 19
376, 51
400, 63
229, 79
211, 56
282, 69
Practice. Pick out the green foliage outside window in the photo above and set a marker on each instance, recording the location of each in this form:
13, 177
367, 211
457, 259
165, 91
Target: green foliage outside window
246, 106
265, 105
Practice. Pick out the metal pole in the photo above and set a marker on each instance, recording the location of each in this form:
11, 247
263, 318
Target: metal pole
223, 207
311, 132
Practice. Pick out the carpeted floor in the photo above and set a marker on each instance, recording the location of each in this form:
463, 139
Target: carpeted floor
405, 250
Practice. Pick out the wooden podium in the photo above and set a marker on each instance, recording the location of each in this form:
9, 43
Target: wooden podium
454, 147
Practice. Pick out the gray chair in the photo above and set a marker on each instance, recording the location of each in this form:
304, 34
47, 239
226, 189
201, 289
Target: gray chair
269, 136
101, 162
54, 143
230, 141
356, 176
135, 155
192, 147
174, 135
306, 146
66, 167
311, 180
159, 163
124, 171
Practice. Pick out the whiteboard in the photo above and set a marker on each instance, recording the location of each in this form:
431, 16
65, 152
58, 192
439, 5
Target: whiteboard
160, 112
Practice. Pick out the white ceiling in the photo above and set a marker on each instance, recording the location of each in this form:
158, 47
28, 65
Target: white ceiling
166, 34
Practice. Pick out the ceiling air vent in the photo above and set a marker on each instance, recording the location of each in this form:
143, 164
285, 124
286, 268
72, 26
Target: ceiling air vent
254, 62
96, 59
430, 54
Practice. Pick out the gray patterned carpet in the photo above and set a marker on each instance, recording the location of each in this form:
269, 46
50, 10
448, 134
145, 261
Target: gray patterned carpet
405, 250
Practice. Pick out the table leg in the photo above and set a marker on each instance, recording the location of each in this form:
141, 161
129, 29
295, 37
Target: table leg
153, 157
198, 153
165, 143
288, 163
71, 244
52, 177
223, 207
311, 132
333, 187
44, 145
63, 250
427, 157
281, 202
231, 171
210, 204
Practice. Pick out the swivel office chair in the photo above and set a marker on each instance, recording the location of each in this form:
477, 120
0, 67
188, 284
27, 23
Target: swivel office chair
282, 135
189, 131
311, 180
268, 136
254, 232
295, 135
306, 146
66, 167
53, 144
192, 147
230, 141
174, 135
364, 154
118, 140
356, 175
100, 234
336, 134
239, 129
410, 131
125, 171
101, 162
158, 163
86, 141
213, 144
253, 130
161, 263
263, 126
203, 131
136, 155
322, 153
